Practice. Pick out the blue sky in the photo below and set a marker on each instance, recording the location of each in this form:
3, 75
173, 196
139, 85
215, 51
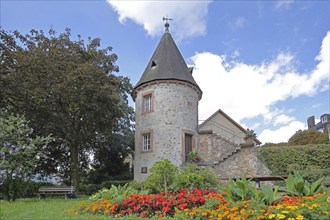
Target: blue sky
264, 63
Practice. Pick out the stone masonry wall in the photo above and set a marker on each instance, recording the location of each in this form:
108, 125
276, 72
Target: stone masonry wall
229, 160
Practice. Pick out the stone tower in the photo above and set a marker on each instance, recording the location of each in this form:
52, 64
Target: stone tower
166, 109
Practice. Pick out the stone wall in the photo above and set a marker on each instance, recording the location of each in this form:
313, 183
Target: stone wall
227, 159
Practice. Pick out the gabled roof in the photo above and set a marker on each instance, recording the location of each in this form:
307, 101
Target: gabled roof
167, 63
230, 119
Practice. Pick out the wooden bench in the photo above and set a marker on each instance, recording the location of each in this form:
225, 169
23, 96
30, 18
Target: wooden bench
64, 190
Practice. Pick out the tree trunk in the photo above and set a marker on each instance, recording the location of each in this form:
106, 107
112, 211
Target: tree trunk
74, 165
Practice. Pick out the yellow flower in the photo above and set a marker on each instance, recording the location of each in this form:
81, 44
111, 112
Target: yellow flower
280, 216
291, 219
315, 205
300, 217
271, 216
204, 213
285, 212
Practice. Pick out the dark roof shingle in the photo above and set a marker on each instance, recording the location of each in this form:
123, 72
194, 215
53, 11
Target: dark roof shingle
167, 63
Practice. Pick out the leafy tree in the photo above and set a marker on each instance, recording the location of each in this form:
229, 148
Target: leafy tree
110, 160
309, 137
19, 152
66, 88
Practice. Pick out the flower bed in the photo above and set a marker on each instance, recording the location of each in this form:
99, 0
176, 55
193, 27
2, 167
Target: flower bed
205, 204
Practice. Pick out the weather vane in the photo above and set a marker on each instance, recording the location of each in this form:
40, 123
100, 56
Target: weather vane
166, 23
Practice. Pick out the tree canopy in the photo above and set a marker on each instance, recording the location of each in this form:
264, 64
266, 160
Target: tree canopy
309, 137
66, 88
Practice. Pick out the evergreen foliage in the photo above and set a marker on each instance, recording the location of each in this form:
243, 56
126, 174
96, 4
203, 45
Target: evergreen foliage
309, 137
166, 177
313, 161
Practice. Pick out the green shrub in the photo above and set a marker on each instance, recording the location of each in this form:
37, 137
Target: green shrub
22, 189
242, 189
109, 183
309, 137
89, 189
238, 190
190, 176
312, 161
115, 194
163, 176
295, 185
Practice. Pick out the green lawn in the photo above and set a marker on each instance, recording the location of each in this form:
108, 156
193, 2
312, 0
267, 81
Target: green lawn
49, 208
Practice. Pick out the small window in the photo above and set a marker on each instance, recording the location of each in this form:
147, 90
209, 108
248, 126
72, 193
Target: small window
147, 104
144, 170
324, 118
147, 142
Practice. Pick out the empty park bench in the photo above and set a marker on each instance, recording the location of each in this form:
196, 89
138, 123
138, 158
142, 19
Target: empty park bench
67, 191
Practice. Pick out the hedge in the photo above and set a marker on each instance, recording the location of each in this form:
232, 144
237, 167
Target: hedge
313, 161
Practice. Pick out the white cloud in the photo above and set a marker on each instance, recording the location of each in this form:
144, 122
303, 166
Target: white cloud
189, 16
283, 3
238, 23
282, 134
246, 91
283, 119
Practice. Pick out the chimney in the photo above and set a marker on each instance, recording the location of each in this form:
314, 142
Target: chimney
311, 122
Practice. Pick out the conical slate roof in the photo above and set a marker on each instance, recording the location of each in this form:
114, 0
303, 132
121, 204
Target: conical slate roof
167, 63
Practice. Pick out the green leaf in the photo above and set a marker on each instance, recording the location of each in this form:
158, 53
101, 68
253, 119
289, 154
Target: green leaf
316, 185
299, 187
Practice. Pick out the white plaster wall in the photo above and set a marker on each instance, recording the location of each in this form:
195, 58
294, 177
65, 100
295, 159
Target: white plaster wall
175, 112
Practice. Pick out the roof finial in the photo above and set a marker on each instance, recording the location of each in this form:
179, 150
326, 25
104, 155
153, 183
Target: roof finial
167, 25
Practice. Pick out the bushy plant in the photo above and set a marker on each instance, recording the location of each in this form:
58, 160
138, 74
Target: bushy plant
163, 176
24, 189
238, 190
242, 189
115, 194
89, 189
309, 137
190, 176
266, 195
109, 183
297, 186
312, 161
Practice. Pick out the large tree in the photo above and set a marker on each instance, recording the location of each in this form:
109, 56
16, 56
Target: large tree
66, 88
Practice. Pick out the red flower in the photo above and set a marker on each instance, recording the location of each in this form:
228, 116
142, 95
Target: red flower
182, 206
166, 209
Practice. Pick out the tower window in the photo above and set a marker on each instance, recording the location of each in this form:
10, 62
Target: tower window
146, 142
147, 103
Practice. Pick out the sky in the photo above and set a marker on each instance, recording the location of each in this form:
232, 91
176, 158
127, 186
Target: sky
264, 63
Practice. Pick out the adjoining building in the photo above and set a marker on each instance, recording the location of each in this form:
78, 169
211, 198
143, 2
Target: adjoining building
323, 124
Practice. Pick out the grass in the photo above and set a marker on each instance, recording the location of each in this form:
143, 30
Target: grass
49, 208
